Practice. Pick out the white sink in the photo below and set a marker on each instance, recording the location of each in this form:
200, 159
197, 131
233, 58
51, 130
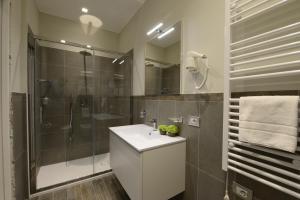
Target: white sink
148, 165
142, 137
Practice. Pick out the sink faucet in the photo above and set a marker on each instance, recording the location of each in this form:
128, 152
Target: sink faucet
154, 123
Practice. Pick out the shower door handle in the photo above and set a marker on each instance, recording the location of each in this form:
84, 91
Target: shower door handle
70, 132
71, 116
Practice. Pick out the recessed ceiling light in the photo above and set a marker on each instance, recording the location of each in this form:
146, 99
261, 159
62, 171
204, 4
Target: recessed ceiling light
155, 28
166, 33
63, 41
122, 62
88, 46
84, 10
115, 60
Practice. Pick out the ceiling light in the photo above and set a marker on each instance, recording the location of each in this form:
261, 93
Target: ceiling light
122, 62
84, 10
88, 46
155, 28
115, 60
166, 33
63, 41
90, 20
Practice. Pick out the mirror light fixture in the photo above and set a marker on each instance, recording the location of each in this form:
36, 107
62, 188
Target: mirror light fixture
63, 41
155, 28
84, 10
166, 33
115, 60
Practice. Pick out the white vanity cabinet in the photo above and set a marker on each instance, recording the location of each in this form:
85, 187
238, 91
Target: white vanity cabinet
149, 167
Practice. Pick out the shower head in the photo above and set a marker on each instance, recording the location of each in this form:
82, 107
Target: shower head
85, 53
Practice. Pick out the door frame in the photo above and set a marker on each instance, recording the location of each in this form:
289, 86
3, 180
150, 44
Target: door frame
5, 142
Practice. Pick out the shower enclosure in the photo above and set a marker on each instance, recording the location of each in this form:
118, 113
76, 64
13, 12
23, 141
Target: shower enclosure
75, 94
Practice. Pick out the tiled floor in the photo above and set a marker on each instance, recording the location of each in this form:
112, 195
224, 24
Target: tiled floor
107, 188
75, 169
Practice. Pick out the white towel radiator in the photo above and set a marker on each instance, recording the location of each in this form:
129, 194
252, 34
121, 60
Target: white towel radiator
262, 53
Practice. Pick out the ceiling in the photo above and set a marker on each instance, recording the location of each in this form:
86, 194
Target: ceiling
115, 14
170, 39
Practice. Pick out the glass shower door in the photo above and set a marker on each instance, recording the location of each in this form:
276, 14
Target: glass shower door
111, 103
79, 96
63, 114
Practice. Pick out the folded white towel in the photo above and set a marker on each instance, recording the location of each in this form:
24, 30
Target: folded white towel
270, 121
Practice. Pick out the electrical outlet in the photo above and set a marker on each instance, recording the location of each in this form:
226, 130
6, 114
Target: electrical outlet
242, 192
194, 121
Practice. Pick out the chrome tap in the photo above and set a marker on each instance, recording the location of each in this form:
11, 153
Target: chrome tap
154, 123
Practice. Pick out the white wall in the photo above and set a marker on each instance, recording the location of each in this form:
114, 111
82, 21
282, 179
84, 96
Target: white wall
33, 16
202, 28
17, 45
155, 52
169, 54
172, 53
24, 13
56, 28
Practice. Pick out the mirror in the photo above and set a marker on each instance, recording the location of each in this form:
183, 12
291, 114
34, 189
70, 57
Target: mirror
162, 62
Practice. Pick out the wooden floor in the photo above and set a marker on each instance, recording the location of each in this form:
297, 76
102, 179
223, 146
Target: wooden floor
107, 188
